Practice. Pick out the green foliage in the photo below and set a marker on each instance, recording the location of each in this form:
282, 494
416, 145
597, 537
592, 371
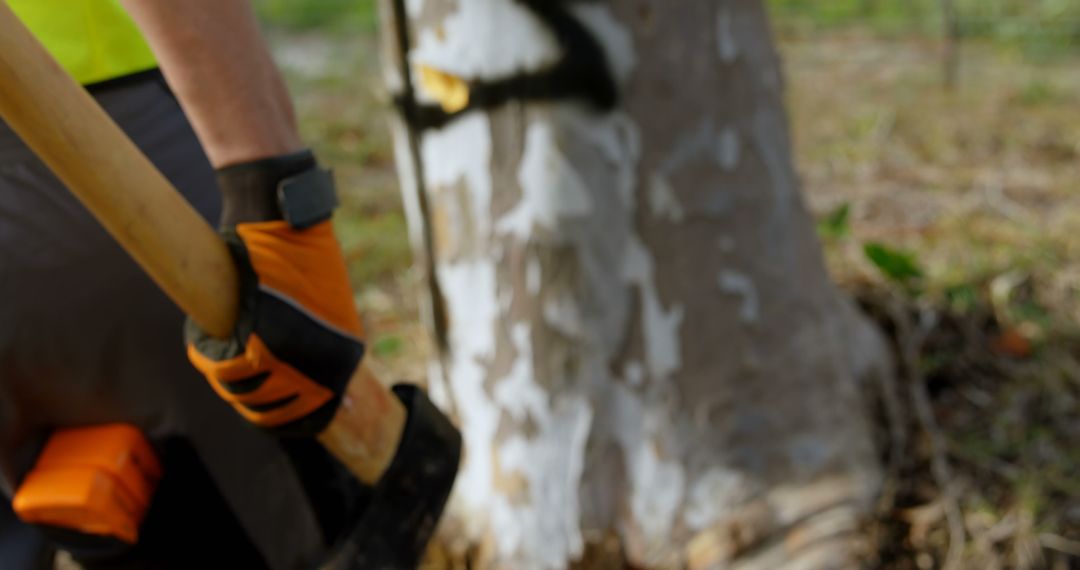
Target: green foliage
1039, 26
388, 346
962, 298
898, 266
837, 224
1036, 27
319, 15
1032, 312
895, 16
1038, 93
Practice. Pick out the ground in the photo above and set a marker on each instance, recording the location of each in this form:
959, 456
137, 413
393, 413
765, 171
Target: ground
970, 198
978, 185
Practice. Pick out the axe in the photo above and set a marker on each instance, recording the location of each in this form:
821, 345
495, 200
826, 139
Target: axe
142, 211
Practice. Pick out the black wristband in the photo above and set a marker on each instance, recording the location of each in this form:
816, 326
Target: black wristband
250, 190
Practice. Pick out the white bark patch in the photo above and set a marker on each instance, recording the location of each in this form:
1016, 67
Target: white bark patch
704, 144
662, 200
634, 373
662, 336
506, 300
520, 486
614, 38
662, 339
552, 465
726, 44
470, 291
518, 393
728, 149
611, 170
551, 189
742, 285
656, 483
533, 276
715, 495
414, 7
563, 314
694, 144
462, 152
617, 137
438, 390
551, 462
473, 44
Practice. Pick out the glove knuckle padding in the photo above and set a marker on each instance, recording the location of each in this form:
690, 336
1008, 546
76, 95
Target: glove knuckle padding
305, 267
297, 338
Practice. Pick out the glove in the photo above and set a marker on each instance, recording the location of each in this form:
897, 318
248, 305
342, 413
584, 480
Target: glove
296, 342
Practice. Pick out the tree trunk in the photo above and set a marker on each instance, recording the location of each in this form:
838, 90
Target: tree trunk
637, 332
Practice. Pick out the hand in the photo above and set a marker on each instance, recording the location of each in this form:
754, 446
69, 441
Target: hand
296, 342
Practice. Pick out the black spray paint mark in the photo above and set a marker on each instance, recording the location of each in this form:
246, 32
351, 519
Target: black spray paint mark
582, 73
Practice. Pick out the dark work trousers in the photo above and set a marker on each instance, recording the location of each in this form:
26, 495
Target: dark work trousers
86, 338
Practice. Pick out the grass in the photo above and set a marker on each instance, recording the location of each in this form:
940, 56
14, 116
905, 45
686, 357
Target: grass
979, 181
980, 184
1033, 28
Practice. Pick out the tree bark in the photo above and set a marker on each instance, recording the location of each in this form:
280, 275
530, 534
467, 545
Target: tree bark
637, 331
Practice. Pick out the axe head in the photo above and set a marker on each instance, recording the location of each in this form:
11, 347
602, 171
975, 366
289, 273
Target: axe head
393, 531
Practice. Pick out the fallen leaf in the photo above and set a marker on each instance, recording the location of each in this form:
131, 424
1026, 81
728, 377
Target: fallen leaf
1011, 342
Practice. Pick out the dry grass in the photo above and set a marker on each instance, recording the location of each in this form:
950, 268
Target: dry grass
981, 184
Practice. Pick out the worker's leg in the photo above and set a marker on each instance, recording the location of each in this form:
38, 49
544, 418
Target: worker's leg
21, 547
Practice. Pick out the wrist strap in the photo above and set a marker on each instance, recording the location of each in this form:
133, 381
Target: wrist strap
307, 198
290, 187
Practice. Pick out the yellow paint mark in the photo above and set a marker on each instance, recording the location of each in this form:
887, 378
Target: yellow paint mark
451, 92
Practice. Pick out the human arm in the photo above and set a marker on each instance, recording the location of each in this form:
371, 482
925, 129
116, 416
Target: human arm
215, 60
296, 340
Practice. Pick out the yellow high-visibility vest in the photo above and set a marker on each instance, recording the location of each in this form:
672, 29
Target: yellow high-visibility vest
94, 40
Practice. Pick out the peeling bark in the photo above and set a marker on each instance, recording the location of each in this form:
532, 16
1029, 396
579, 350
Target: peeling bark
639, 334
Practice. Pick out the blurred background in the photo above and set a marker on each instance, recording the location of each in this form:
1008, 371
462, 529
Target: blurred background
937, 142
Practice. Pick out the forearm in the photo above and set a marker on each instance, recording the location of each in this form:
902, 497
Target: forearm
215, 60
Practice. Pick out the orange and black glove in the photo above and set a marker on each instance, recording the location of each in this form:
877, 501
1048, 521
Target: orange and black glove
296, 342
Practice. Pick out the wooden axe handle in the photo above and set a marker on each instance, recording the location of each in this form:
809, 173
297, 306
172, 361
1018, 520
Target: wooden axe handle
71, 134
